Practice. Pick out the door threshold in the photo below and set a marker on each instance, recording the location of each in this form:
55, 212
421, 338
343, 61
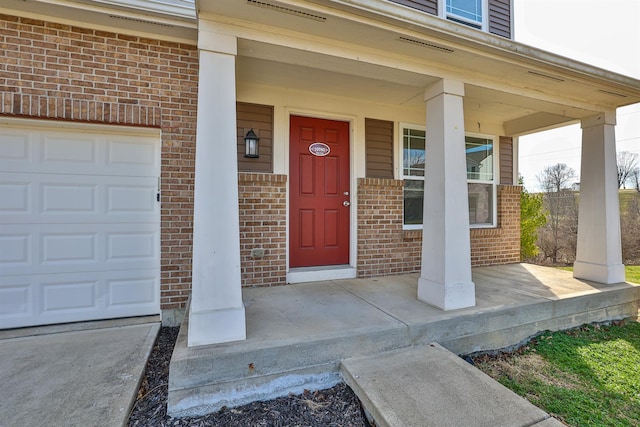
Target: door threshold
320, 273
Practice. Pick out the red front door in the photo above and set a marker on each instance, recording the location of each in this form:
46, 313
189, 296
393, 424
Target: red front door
319, 192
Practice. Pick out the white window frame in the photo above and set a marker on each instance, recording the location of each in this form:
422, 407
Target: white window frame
401, 128
484, 25
493, 182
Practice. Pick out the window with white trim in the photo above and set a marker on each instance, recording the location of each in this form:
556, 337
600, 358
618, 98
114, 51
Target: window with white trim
413, 158
467, 12
481, 167
481, 163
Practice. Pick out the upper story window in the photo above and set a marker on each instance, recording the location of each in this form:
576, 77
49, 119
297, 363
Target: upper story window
481, 177
493, 16
468, 12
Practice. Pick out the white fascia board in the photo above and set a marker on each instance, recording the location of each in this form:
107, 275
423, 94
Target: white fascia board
175, 13
176, 9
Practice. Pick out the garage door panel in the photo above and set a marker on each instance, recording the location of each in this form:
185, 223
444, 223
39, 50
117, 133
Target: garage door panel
70, 151
131, 247
15, 198
48, 198
78, 152
16, 148
36, 249
79, 224
131, 200
16, 300
125, 292
66, 198
15, 250
126, 154
69, 296
69, 248
58, 298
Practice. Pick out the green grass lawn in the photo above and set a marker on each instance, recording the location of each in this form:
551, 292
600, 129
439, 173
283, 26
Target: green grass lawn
632, 272
588, 376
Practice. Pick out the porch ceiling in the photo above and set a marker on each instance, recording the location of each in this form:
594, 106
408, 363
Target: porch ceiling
298, 70
383, 52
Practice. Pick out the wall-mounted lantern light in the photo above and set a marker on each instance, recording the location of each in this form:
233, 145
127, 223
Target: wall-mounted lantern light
251, 145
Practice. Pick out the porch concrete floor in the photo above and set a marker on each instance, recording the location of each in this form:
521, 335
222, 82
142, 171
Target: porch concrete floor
297, 335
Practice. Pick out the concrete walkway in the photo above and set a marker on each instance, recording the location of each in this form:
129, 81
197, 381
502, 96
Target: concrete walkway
75, 378
430, 386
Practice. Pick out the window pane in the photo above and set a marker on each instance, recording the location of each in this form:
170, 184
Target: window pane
480, 203
479, 158
413, 154
468, 9
413, 200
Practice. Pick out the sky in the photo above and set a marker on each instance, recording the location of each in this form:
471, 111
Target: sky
602, 33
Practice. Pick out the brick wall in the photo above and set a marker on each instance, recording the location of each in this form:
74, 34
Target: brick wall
263, 225
385, 249
500, 245
62, 72
382, 247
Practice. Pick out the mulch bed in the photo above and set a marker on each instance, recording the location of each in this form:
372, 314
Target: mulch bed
337, 406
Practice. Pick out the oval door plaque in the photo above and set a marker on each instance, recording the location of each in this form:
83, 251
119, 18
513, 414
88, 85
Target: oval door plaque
319, 149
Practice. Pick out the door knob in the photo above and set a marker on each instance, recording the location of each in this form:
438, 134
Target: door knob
346, 203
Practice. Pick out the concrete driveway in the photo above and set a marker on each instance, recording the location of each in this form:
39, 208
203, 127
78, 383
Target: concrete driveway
72, 378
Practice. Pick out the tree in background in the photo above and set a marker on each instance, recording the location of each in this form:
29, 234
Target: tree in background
630, 226
560, 202
627, 166
532, 217
635, 178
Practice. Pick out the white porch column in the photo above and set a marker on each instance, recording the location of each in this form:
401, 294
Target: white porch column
217, 312
599, 252
445, 277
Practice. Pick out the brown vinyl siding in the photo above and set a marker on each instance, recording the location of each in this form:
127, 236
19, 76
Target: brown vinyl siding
506, 160
500, 17
260, 119
378, 137
429, 6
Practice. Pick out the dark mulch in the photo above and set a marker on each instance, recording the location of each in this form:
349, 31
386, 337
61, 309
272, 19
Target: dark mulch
337, 406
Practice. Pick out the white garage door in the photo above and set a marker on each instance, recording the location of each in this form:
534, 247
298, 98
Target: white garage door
79, 223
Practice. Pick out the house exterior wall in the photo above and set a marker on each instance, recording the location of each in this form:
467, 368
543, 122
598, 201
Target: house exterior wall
61, 72
500, 245
263, 226
384, 248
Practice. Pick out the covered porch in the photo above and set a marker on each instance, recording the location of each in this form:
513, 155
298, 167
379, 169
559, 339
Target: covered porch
297, 335
360, 60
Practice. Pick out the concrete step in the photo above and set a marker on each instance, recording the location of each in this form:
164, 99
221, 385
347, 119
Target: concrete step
430, 386
297, 335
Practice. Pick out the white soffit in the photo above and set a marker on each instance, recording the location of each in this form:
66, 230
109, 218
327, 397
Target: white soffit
414, 39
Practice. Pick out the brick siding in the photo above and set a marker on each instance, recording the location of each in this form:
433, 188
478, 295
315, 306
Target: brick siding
501, 245
384, 248
263, 225
63, 72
